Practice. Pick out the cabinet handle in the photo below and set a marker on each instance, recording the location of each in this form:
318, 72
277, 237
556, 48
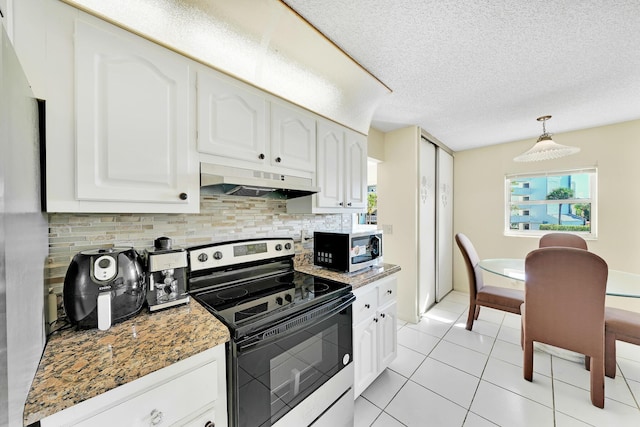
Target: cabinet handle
367, 306
382, 315
261, 156
209, 424
375, 319
389, 291
156, 417
184, 196
349, 204
341, 203
278, 159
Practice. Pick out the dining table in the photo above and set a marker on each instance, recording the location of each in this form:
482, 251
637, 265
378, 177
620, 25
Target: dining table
619, 283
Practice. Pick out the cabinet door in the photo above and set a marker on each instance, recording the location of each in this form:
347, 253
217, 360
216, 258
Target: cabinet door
132, 126
293, 139
330, 172
365, 353
387, 334
231, 120
355, 170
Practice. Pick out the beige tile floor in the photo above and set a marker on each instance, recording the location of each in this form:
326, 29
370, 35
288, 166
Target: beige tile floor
445, 375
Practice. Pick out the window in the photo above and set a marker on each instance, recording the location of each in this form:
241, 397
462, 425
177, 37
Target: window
537, 203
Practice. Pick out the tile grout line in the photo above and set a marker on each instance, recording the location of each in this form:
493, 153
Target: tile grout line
482, 373
440, 339
407, 379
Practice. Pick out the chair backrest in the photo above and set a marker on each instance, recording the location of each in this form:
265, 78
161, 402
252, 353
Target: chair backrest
471, 260
564, 298
562, 239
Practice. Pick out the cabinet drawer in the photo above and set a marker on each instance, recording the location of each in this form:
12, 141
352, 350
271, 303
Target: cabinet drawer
166, 404
365, 305
388, 290
205, 419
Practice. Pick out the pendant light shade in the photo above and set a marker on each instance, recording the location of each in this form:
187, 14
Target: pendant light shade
545, 148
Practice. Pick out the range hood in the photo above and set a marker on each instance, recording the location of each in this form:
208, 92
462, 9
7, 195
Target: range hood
216, 179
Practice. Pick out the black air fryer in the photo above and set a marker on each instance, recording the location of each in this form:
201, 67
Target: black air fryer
103, 287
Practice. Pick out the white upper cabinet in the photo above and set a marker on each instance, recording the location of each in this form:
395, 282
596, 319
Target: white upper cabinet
132, 125
341, 173
231, 120
355, 172
120, 129
330, 171
293, 138
243, 127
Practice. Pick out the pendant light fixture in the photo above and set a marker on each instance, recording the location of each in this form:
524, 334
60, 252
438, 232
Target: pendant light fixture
545, 148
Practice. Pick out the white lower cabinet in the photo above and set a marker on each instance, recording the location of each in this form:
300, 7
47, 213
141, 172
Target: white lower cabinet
375, 333
191, 392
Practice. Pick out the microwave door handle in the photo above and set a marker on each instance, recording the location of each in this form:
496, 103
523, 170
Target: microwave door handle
377, 243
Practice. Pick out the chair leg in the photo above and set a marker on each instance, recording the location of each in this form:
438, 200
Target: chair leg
597, 382
587, 361
610, 355
477, 312
528, 359
470, 317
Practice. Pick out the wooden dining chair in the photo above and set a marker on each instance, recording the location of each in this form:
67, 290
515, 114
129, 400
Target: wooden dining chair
500, 298
563, 306
564, 240
619, 325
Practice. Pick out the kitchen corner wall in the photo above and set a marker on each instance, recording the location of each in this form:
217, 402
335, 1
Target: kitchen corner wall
479, 197
221, 218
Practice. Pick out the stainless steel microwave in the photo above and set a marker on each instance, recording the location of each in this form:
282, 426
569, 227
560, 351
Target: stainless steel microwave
347, 251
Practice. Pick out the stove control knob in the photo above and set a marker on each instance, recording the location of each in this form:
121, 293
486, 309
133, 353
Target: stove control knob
203, 257
288, 297
278, 247
279, 300
217, 255
287, 246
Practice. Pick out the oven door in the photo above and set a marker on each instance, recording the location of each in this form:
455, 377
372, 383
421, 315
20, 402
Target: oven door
271, 372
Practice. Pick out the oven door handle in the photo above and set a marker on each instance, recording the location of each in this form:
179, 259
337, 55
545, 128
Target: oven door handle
294, 324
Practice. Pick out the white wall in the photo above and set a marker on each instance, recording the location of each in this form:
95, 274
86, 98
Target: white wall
375, 144
479, 197
397, 213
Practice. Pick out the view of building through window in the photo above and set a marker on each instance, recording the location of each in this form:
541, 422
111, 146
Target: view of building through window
554, 201
371, 217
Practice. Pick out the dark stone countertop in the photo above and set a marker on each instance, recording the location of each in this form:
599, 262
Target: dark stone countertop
78, 365
355, 279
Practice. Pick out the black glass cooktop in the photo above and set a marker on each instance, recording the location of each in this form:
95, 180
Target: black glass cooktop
265, 300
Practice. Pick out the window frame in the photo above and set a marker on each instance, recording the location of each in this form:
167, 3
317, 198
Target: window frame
593, 183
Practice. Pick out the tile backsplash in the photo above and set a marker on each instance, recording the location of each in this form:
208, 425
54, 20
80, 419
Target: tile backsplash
221, 218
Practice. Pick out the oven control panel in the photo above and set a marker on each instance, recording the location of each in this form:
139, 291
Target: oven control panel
237, 252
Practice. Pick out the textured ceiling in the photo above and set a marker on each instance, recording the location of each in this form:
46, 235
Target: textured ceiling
475, 73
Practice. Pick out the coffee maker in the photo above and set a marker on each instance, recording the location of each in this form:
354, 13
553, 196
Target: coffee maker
166, 275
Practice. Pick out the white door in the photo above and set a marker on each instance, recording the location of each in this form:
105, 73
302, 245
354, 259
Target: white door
388, 335
132, 120
365, 353
355, 170
444, 215
293, 139
426, 226
231, 120
330, 173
